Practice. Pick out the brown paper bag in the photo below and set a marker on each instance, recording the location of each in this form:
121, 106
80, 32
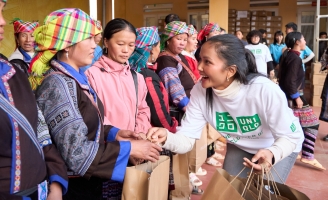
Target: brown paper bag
140, 185
181, 177
284, 192
289, 192
220, 188
212, 134
197, 156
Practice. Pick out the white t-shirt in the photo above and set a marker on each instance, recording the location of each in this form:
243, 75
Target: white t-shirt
252, 119
262, 56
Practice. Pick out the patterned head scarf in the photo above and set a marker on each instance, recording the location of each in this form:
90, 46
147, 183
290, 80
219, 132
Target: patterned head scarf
21, 26
191, 30
146, 38
172, 29
62, 28
98, 26
207, 29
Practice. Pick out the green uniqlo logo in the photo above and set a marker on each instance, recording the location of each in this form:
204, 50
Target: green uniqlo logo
249, 123
225, 123
258, 51
293, 127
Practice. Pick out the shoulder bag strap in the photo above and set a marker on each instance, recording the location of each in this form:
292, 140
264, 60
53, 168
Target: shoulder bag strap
165, 53
135, 80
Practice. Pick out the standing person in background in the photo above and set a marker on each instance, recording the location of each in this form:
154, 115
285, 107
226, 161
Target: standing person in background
222, 31
276, 50
264, 34
173, 68
72, 109
170, 18
322, 44
261, 52
177, 76
29, 161
239, 35
208, 31
98, 51
324, 94
24, 40
291, 82
190, 49
306, 54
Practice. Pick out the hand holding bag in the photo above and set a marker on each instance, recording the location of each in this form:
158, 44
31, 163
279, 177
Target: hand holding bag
147, 181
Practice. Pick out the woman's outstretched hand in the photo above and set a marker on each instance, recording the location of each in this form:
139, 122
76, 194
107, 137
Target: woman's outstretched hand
157, 135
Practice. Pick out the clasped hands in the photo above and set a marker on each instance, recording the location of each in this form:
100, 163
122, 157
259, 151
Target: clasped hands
142, 148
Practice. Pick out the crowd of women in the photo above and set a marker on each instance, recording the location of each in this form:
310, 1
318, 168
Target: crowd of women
74, 115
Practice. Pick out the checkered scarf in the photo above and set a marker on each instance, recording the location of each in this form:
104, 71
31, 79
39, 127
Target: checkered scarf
146, 38
191, 30
62, 28
98, 26
172, 29
207, 29
21, 26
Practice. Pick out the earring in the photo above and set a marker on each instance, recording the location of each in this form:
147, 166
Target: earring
67, 54
228, 79
106, 50
152, 59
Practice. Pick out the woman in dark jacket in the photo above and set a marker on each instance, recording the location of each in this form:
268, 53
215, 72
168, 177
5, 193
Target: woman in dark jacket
291, 81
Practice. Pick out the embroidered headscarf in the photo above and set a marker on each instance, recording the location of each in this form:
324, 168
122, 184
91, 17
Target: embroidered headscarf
192, 30
207, 29
62, 28
172, 29
146, 38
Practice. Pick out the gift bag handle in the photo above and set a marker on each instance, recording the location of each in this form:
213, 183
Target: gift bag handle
260, 186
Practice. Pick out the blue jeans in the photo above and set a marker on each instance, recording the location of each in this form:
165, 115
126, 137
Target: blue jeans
233, 163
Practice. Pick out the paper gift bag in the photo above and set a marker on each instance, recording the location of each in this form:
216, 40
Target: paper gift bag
220, 188
212, 134
147, 181
288, 192
181, 177
197, 156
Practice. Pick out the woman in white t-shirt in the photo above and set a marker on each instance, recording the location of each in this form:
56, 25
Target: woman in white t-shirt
248, 109
261, 52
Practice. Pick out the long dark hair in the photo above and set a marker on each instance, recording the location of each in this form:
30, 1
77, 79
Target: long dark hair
232, 51
117, 25
275, 41
291, 39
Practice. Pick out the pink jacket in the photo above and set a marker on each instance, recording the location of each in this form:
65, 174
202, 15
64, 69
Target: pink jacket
114, 85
